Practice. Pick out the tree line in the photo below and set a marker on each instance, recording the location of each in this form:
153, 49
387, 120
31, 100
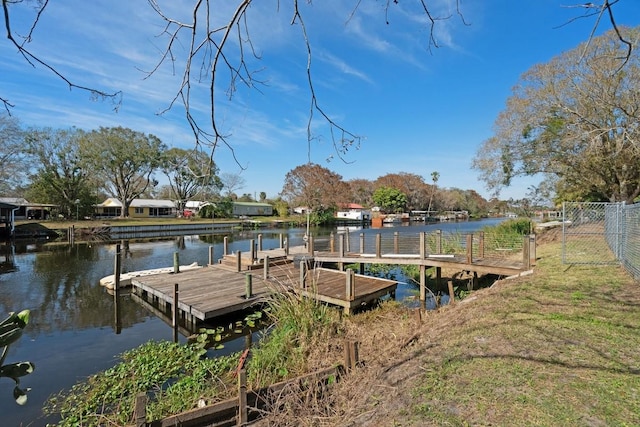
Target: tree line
75, 169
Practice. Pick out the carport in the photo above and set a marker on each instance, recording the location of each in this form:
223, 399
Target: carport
7, 219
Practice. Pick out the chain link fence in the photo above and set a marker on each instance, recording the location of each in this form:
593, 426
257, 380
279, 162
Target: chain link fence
601, 234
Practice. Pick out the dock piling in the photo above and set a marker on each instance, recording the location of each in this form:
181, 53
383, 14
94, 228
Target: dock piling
175, 313
248, 285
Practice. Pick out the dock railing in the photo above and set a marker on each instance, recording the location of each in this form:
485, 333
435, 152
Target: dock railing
422, 244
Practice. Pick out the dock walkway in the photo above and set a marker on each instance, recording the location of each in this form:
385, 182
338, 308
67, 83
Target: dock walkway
221, 289
243, 279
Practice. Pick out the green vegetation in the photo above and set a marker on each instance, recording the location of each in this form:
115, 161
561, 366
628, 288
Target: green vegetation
174, 376
11, 330
299, 326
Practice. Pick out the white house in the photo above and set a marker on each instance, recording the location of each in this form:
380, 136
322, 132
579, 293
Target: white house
353, 212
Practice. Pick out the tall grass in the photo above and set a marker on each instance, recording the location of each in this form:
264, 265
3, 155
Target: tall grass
299, 326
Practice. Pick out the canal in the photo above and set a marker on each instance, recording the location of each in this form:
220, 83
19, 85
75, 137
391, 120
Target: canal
72, 331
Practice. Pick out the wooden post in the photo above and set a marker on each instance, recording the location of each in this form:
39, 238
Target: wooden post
423, 247
526, 259
239, 261
260, 242
350, 284
303, 274
266, 267
341, 245
286, 246
473, 284
281, 241
225, 246
252, 251
140, 410
348, 241
175, 318
332, 243
176, 262
351, 355
243, 414
532, 250
396, 245
481, 244
117, 268
361, 243
451, 293
378, 245
211, 258
438, 241
310, 244
438, 276
248, 285
469, 248
423, 284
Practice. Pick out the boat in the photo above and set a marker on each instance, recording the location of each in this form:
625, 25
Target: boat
125, 278
392, 219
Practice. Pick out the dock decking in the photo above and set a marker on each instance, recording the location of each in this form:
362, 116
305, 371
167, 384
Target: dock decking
244, 279
217, 290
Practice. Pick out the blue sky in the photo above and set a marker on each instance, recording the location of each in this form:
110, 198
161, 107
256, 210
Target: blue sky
417, 109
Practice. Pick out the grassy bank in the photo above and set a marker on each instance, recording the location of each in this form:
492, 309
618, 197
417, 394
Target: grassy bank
559, 347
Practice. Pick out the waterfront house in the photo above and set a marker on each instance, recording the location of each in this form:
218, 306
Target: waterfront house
28, 210
353, 212
252, 209
139, 208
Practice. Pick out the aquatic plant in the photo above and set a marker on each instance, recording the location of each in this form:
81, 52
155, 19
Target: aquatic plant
11, 330
174, 376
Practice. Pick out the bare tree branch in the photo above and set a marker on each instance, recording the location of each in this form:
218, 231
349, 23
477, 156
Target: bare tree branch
33, 59
598, 10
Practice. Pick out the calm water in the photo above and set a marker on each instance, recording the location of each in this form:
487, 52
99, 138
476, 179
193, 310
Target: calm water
72, 332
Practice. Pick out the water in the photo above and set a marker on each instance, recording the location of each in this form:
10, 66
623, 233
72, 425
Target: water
72, 332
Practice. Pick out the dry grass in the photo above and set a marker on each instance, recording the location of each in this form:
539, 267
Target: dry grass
558, 347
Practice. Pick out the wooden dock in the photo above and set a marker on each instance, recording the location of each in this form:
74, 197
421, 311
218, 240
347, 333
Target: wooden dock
245, 279
221, 289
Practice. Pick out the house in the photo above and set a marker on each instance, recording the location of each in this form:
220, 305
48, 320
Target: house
139, 208
252, 209
353, 212
28, 210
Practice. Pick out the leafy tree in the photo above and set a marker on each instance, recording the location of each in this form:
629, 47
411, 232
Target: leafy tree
409, 184
221, 209
280, 207
12, 162
574, 119
190, 173
315, 187
390, 200
59, 178
124, 160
